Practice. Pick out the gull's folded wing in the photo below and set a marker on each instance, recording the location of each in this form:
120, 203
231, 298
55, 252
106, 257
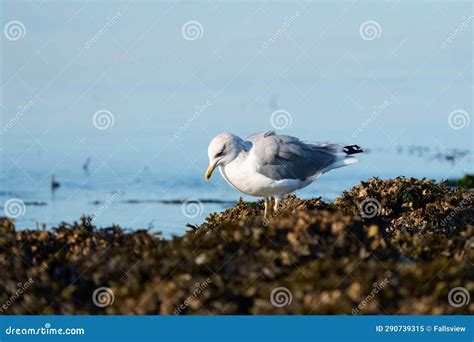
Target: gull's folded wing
285, 157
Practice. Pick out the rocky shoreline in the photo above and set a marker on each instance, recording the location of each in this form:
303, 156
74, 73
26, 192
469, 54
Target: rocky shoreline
399, 246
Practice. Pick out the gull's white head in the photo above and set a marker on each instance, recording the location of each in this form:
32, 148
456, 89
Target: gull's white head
223, 149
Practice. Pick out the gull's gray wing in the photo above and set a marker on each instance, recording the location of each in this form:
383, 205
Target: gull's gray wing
257, 136
286, 157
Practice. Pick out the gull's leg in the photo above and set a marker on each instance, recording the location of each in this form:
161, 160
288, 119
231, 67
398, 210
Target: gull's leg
277, 201
270, 204
265, 214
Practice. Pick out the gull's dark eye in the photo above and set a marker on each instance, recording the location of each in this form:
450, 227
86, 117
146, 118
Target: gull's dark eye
220, 154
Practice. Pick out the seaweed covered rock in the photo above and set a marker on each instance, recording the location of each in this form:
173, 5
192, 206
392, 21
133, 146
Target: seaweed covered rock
410, 252
415, 205
244, 210
393, 196
466, 182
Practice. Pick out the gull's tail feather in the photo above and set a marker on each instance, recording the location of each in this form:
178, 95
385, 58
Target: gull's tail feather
344, 157
352, 149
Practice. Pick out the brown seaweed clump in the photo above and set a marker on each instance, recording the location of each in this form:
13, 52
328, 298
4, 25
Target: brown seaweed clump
397, 246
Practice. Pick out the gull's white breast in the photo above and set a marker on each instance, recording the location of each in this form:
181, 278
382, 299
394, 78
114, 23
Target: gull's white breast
242, 175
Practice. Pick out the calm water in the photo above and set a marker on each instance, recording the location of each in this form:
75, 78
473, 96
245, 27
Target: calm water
169, 96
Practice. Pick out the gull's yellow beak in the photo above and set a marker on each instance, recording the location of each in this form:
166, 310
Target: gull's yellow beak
209, 171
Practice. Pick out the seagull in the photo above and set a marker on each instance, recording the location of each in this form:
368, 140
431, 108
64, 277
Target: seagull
272, 166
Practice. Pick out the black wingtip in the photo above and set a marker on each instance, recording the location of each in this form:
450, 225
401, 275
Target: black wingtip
352, 149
